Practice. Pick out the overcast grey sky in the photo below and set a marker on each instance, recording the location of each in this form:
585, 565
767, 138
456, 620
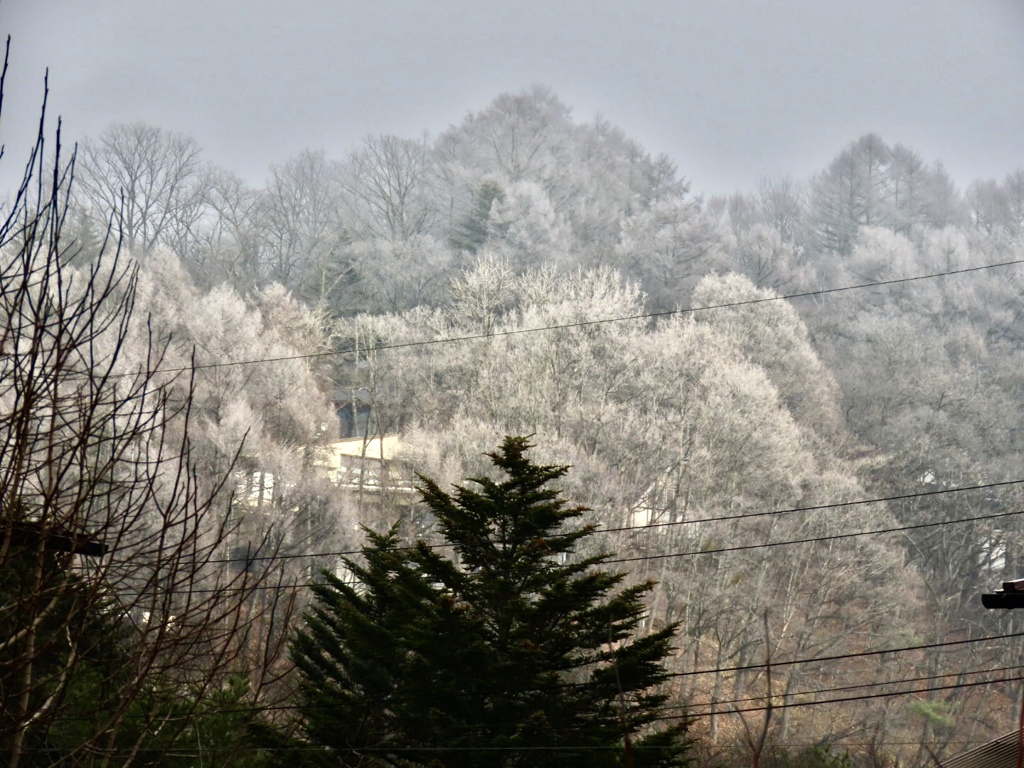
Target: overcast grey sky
732, 90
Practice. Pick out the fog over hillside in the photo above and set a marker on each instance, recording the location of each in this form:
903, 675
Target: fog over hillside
755, 277
731, 91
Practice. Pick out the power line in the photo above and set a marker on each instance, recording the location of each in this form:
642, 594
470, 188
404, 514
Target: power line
665, 555
312, 748
713, 707
838, 689
734, 710
587, 323
686, 709
688, 521
856, 655
869, 696
813, 539
637, 558
815, 507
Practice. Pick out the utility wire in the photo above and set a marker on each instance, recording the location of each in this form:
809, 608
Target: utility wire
311, 748
643, 558
688, 521
839, 689
585, 323
844, 656
869, 696
684, 709
567, 748
812, 508
654, 556
813, 539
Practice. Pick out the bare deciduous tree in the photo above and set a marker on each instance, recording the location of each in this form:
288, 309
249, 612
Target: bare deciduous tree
123, 614
387, 185
304, 240
154, 178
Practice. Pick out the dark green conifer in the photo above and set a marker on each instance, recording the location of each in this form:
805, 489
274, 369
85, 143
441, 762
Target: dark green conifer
501, 650
470, 233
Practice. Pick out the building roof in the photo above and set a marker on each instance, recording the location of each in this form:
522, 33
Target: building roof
999, 753
29, 533
377, 448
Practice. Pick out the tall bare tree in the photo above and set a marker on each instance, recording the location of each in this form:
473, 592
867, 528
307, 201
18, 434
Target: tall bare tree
124, 616
155, 180
387, 182
303, 238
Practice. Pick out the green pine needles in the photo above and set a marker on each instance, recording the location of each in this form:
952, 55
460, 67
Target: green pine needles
501, 652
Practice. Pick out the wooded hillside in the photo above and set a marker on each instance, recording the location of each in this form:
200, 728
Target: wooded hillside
795, 409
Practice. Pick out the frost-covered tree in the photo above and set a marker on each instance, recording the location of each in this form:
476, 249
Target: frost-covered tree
252, 385
153, 181
591, 173
303, 236
667, 248
230, 248
525, 227
849, 193
124, 620
471, 232
387, 185
398, 275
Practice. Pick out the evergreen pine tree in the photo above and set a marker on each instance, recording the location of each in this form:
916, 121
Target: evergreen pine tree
470, 233
501, 650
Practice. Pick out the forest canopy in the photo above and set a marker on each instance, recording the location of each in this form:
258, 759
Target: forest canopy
793, 409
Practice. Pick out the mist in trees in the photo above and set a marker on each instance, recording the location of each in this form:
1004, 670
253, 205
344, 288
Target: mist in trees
525, 272
145, 589
123, 620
